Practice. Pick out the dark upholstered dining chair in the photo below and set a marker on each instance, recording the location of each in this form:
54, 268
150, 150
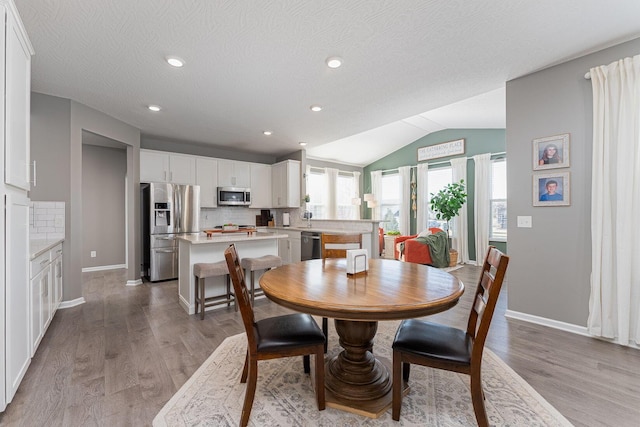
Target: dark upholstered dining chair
282, 336
443, 347
337, 248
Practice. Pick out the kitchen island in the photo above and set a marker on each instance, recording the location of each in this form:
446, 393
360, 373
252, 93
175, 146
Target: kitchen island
200, 248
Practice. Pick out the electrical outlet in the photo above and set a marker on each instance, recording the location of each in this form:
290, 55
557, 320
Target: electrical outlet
93, 254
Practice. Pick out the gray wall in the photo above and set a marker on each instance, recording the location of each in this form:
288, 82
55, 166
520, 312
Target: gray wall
57, 126
104, 173
550, 264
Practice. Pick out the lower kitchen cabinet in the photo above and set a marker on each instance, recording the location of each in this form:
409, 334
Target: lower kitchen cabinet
289, 248
45, 292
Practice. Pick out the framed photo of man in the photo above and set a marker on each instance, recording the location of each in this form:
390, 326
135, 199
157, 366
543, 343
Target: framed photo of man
551, 189
551, 152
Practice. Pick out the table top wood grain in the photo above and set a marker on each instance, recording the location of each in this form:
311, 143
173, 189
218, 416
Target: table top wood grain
390, 290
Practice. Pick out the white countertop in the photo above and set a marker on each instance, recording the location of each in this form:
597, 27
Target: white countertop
202, 239
319, 230
38, 247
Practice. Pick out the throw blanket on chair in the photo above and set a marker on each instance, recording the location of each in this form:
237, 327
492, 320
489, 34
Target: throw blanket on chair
438, 248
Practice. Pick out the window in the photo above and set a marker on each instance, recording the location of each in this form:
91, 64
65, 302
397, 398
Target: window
390, 203
317, 191
344, 194
437, 180
498, 228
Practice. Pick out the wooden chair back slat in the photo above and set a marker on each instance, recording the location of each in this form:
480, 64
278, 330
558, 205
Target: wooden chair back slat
342, 240
486, 297
243, 296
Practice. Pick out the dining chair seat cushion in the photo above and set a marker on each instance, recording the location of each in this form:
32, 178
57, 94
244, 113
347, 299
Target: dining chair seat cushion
261, 263
210, 269
288, 331
434, 341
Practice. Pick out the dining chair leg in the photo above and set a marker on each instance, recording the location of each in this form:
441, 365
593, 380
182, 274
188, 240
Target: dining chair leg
253, 287
250, 393
245, 370
320, 379
306, 364
477, 397
396, 396
325, 331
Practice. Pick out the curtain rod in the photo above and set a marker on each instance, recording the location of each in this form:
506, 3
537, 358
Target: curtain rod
444, 162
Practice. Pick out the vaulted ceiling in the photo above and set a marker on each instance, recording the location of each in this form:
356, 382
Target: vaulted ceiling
252, 66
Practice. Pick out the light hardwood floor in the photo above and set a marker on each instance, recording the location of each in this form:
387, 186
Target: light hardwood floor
116, 360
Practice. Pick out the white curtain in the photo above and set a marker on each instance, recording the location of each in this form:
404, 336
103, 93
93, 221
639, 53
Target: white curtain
356, 194
482, 199
460, 241
423, 197
405, 199
614, 305
331, 176
376, 190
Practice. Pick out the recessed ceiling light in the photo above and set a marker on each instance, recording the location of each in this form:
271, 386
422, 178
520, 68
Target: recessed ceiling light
175, 61
303, 143
333, 62
267, 132
316, 108
155, 108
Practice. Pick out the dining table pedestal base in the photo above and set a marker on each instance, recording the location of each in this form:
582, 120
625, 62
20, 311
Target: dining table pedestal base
355, 380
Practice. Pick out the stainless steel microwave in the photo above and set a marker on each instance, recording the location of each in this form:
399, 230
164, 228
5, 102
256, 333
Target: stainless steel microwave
234, 196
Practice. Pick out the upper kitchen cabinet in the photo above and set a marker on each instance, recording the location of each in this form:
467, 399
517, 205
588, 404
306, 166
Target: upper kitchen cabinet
260, 186
160, 166
16, 73
285, 180
232, 173
207, 179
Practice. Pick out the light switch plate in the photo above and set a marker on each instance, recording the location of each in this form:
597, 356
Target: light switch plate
524, 222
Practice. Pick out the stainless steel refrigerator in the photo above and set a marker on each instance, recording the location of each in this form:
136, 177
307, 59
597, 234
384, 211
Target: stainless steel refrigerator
168, 210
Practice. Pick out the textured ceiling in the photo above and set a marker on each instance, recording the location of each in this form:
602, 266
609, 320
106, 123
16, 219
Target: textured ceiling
256, 65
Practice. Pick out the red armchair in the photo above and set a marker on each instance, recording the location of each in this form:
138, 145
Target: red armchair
414, 251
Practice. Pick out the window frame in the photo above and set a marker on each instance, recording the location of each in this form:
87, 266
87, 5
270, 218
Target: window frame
492, 201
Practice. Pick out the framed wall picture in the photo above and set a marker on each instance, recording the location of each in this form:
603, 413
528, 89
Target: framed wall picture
551, 152
551, 189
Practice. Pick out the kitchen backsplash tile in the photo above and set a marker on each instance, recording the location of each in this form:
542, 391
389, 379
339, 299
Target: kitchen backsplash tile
46, 220
209, 218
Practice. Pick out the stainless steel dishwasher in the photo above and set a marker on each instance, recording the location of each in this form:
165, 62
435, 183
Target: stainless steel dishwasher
309, 245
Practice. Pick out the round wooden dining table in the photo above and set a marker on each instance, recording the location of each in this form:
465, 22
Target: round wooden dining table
355, 379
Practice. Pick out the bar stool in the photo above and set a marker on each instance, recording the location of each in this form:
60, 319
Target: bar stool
266, 262
212, 269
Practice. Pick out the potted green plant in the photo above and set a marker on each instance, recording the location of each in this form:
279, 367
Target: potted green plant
446, 204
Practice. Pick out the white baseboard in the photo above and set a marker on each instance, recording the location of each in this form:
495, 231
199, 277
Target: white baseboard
72, 303
568, 327
136, 282
104, 267
555, 324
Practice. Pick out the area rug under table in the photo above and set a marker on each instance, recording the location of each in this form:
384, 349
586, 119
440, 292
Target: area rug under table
213, 396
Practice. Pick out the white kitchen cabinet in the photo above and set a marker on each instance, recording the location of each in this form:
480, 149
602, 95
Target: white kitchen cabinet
45, 292
17, 291
160, 166
207, 179
289, 249
232, 173
285, 180
57, 277
17, 96
260, 186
